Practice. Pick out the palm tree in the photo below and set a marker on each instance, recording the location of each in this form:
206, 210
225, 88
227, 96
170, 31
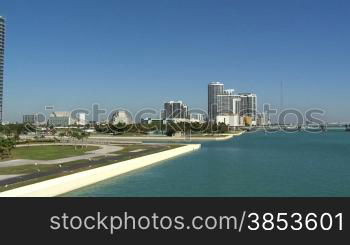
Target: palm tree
83, 136
77, 136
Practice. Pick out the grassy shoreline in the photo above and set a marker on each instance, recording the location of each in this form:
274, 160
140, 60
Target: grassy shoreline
48, 152
31, 174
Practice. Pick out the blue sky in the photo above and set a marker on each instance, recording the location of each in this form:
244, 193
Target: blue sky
135, 54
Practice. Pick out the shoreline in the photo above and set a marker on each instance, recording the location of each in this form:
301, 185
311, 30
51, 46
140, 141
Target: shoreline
61, 185
168, 139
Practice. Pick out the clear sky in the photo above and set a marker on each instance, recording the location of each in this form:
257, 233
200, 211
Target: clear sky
134, 54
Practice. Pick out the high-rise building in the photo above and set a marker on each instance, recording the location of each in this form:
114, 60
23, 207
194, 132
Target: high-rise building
214, 89
175, 110
248, 105
2, 53
230, 108
228, 103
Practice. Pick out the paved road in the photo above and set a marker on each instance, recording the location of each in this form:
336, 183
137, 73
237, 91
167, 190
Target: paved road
8, 176
105, 150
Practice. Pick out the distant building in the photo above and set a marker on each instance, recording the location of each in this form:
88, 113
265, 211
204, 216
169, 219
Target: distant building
81, 119
229, 120
146, 120
60, 119
214, 89
36, 119
121, 117
262, 119
248, 105
30, 119
228, 103
90, 130
223, 102
2, 53
197, 117
149, 120
248, 121
175, 111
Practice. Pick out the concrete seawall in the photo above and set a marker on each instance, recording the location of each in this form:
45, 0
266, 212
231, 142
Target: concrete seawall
121, 139
61, 185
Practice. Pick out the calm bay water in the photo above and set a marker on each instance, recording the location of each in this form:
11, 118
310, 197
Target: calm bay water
254, 164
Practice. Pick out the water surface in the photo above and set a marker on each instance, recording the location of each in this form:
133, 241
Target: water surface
256, 164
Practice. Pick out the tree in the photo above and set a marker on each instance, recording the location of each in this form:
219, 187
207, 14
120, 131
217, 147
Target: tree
53, 131
84, 135
16, 137
78, 135
61, 135
222, 128
6, 146
170, 132
7, 130
13, 129
75, 135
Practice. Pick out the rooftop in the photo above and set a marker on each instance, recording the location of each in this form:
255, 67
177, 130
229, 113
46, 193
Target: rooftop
247, 94
60, 114
216, 83
172, 102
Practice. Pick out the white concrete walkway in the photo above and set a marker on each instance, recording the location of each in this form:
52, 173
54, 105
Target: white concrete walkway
60, 185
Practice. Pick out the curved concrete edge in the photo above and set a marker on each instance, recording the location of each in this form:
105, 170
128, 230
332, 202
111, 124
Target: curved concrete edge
227, 137
230, 136
120, 139
61, 185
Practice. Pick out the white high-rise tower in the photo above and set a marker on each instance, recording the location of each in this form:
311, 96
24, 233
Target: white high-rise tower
2, 53
214, 89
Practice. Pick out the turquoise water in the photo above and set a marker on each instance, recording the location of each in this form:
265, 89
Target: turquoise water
256, 164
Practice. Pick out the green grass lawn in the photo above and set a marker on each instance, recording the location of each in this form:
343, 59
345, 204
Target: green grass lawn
49, 152
124, 154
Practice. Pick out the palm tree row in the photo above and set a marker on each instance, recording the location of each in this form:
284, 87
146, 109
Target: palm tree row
75, 135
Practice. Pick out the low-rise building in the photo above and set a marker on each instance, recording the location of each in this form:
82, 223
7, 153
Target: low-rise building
34, 119
29, 119
121, 117
146, 120
229, 120
60, 119
197, 117
149, 120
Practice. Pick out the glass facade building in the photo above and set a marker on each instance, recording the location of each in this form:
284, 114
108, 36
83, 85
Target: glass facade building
228, 103
175, 110
60, 119
248, 105
214, 89
2, 53
30, 119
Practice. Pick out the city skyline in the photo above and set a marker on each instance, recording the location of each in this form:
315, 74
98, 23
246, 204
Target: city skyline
51, 54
